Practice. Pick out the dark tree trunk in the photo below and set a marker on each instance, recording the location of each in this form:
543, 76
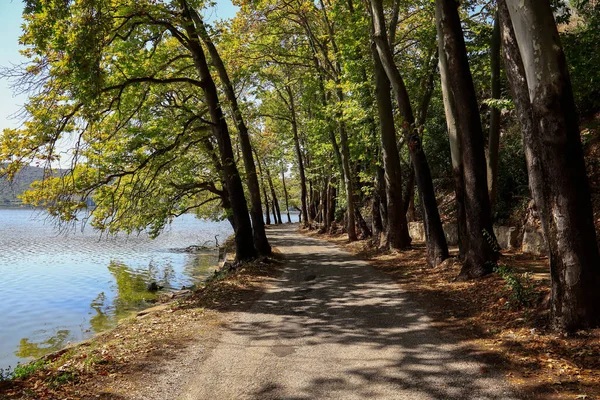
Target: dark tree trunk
455, 151
494, 136
362, 224
331, 200
382, 199
481, 255
285, 193
377, 225
277, 211
396, 235
264, 189
437, 248
409, 193
258, 226
539, 79
244, 243
223, 193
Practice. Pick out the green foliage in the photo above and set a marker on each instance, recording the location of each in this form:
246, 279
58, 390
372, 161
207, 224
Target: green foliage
25, 370
513, 181
519, 288
582, 49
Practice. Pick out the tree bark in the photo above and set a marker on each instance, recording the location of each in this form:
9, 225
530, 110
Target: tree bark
494, 135
541, 86
285, 193
455, 148
244, 243
481, 254
437, 248
397, 237
276, 211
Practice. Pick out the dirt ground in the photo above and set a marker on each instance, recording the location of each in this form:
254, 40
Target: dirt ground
543, 363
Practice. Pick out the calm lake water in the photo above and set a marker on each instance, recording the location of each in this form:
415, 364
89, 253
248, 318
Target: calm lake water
57, 288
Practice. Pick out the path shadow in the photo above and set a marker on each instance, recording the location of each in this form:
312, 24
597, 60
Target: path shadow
327, 299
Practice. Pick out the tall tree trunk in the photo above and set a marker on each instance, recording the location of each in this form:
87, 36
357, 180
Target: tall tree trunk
258, 226
331, 200
294, 122
397, 237
345, 152
409, 193
377, 225
264, 189
382, 199
277, 211
481, 254
541, 86
437, 248
494, 136
244, 243
455, 148
285, 193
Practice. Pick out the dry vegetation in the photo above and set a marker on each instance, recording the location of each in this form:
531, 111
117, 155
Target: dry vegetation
488, 313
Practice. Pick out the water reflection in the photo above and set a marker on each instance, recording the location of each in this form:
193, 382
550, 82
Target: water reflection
28, 349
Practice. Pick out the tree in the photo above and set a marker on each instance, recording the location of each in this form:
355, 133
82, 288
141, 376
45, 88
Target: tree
80, 91
541, 87
437, 248
480, 255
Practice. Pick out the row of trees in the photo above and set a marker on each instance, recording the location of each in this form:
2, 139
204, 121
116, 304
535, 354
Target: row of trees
163, 114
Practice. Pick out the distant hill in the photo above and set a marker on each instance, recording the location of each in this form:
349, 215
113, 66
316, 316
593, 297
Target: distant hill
9, 191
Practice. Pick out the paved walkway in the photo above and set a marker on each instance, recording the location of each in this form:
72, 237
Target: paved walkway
334, 328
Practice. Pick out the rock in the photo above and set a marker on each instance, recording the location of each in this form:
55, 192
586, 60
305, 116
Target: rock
153, 287
507, 236
310, 277
451, 232
416, 230
533, 242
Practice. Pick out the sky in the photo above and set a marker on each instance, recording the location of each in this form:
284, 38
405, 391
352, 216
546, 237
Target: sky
11, 29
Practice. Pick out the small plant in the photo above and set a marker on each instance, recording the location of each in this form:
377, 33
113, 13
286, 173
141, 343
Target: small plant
520, 287
24, 370
63, 378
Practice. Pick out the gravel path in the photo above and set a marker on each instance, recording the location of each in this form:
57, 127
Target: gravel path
334, 328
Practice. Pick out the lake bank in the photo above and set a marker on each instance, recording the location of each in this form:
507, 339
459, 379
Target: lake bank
118, 359
62, 287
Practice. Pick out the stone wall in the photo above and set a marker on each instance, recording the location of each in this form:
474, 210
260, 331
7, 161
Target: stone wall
508, 237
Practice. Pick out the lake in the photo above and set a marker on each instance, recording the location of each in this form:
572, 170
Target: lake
57, 288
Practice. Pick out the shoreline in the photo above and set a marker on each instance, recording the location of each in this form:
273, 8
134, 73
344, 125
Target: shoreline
95, 364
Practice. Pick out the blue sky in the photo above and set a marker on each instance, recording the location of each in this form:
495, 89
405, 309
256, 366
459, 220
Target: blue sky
10, 30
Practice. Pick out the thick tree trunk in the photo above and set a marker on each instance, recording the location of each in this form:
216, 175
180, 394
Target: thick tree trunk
494, 135
362, 224
455, 149
294, 122
437, 248
244, 243
258, 226
481, 254
396, 236
540, 82
285, 193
